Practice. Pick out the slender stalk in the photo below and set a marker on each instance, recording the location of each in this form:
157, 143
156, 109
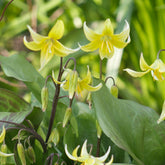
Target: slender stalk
98, 147
159, 52
55, 101
100, 69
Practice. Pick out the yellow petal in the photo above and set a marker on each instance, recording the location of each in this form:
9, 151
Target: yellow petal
32, 45
46, 55
136, 74
118, 40
61, 50
110, 162
158, 64
90, 34
106, 49
57, 31
87, 79
68, 154
108, 28
74, 153
104, 157
124, 34
90, 88
92, 46
143, 65
84, 152
5, 155
161, 66
35, 36
162, 116
2, 135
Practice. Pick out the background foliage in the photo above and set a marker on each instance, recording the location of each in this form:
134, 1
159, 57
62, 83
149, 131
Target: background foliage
147, 23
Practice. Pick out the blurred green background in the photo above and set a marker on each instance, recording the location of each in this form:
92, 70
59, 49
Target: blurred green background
147, 24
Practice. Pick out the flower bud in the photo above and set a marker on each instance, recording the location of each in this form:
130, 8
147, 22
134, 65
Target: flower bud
99, 130
67, 115
54, 136
31, 154
4, 150
44, 98
21, 153
114, 91
72, 83
2, 135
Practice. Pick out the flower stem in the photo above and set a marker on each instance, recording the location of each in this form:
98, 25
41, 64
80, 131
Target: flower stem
55, 101
98, 147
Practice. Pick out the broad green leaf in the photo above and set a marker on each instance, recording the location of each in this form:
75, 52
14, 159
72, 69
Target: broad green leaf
12, 107
131, 126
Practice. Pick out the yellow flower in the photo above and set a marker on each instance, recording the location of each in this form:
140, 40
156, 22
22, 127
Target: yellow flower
85, 158
83, 84
73, 83
157, 69
106, 41
49, 45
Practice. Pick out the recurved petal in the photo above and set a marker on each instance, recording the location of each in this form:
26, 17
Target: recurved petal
136, 74
143, 65
32, 45
106, 50
104, 157
87, 79
57, 31
68, 154
84, 152
124, 34
92, 46
108, 28
61, 50
110, 162
119, 43
5, 155
91, 88
162, 116
74, 153
35, 36
90, 34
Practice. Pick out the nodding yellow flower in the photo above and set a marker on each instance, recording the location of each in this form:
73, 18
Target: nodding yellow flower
157, 69
106, 41
87, 159
74, 84
49, 45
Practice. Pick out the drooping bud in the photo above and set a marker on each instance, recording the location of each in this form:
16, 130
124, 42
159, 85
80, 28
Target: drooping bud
31, 154
2, 135
4, 150
54, 136
21, 153
67, 115
44, 98
162, 116
99, 130
114, 91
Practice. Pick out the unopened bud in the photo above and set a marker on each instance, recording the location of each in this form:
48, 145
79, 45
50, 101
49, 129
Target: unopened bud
2, 135
4, 150
67, 115
99, 130
114, 91
21, 153
72, 83
31, 154
54, 136
44, 98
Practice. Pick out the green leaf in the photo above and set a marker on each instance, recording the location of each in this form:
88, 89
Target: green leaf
12, 107
131, 126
